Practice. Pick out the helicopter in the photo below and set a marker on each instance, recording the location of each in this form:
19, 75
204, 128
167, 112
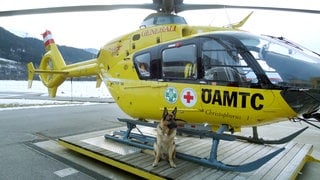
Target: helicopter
222, 77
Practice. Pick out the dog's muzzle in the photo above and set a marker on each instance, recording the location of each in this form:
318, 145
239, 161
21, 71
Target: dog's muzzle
172, 125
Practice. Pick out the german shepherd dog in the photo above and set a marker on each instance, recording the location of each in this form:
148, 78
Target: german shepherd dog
165, 146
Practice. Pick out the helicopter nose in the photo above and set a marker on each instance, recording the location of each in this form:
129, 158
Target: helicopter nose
302, 101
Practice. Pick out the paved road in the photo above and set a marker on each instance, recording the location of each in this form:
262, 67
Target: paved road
20, 128
40, 96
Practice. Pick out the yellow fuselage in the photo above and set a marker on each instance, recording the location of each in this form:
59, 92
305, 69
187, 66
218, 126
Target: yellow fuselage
196, 102
212, 104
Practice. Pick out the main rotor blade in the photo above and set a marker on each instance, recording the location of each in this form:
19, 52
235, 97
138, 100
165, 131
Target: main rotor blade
83, 8
178, 7
187, 7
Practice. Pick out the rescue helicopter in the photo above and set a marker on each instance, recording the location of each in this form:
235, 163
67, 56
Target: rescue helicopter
222, 77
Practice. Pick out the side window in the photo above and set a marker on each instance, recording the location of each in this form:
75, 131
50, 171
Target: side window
222, 62
142, 63
180, 62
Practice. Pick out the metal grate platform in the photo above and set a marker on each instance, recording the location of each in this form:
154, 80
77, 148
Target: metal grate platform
286, 165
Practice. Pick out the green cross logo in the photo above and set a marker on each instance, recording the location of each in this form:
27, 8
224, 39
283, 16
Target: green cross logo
171, 95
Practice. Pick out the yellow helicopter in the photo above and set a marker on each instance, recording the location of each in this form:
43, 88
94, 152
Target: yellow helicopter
222, 77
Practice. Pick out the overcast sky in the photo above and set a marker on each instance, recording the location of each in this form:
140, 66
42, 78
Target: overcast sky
94, 29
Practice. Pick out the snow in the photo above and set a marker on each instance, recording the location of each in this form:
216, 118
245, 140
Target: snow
9, 89
12, 104
68, 88
7, 60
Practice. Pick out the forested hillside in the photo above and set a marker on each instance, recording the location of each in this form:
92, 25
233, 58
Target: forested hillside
24, 50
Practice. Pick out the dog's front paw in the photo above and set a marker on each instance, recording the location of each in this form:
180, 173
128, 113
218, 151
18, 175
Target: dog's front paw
172, 165
155, 164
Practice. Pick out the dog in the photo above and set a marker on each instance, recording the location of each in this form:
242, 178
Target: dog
165, 147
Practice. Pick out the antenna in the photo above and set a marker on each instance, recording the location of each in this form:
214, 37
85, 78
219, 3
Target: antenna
71, 89
228, 18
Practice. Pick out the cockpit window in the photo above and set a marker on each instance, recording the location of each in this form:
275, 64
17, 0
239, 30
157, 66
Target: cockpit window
180, 62
222, 62
284, 62
142, 63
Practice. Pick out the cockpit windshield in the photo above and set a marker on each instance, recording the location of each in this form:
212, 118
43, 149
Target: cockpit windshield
285, 63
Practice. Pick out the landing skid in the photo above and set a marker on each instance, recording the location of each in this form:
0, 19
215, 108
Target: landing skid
255, 137
146, 142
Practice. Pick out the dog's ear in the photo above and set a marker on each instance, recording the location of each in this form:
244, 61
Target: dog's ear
165, 113
174, 112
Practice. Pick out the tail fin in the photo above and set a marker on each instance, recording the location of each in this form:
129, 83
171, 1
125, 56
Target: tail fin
52, 53
51, 66
53, 70
30, 74
241, 23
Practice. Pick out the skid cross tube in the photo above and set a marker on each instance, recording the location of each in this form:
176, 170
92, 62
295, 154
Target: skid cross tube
146, 142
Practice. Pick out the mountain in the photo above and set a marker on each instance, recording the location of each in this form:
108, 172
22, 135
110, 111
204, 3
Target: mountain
92, 50
18, 51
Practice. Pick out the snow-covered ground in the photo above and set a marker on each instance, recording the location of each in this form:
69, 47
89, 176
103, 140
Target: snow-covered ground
68, 88
72, 89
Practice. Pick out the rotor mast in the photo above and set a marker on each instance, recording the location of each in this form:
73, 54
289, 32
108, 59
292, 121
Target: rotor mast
167, 6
